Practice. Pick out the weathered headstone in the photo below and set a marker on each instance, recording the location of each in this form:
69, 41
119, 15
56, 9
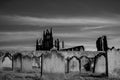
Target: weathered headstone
27, 63
74, 65
7, 61
100, 65
53, 62
17, 62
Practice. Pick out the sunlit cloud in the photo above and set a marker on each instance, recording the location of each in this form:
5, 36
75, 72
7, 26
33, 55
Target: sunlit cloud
18, 47
84, 34
96, 27
87, 35
17, 36
27, 20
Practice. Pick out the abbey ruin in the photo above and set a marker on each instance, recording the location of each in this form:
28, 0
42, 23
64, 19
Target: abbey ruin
51, 57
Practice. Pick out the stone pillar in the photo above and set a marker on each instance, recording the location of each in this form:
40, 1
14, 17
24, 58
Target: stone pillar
79, 65
41, 64
21, 62
68, 61
94, 65
106, 57
12, 63
62, 44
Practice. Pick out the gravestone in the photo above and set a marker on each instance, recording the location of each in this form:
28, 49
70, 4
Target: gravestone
84, 61
27, 63
53, 62
17, 62
74, 65
100, 65
7, 62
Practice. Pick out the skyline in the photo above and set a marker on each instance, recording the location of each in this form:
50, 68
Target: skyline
77, 22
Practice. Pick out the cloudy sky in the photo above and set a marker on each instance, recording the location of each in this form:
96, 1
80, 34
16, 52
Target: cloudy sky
77, 22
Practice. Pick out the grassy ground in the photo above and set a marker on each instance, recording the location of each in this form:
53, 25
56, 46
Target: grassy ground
79, 76
10, 75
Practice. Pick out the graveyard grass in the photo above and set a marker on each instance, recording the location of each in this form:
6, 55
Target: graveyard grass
10, 75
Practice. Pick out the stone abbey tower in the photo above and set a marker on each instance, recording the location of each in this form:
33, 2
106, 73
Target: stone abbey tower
47, 43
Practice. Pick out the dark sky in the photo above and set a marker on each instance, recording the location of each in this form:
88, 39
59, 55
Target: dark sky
77, 22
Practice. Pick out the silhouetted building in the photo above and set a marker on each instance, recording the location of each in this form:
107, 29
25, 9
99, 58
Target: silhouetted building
62, 44
47, 42
101, 44
76, 48
57, 44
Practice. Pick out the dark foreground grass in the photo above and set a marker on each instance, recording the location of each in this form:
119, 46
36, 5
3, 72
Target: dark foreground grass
49, 76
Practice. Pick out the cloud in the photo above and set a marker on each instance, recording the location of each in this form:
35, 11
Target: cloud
80, 35
18, 47
27, 20
18, 36
96, 27
85, 34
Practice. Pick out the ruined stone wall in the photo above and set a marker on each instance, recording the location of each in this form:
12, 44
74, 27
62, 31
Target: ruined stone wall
56, 61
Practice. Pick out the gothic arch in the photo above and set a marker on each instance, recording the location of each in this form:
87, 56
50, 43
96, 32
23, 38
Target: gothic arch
7, 60
74, 57
16, 55
69, 59
7, 54
85, 57
99, 55
74, 63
